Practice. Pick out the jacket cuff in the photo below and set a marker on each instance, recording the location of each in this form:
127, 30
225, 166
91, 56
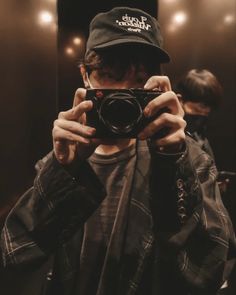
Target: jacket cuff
178, 179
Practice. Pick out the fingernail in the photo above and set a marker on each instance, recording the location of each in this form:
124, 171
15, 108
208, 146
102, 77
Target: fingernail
146, 85
91, 131
86, 141
147, 112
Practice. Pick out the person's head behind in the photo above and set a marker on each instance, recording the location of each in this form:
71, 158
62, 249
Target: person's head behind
200, 92
123, 50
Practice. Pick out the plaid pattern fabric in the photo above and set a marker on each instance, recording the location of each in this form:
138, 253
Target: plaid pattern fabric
182, 224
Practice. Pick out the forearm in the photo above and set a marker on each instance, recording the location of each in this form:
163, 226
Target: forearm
50, 212
175, 190
202, 244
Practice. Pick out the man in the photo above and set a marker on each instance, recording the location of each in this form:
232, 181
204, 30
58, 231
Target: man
200, 93
123, 214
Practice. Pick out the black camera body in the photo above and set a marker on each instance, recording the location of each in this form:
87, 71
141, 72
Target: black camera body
118, 113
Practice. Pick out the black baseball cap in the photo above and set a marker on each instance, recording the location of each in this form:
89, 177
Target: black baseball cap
125, 25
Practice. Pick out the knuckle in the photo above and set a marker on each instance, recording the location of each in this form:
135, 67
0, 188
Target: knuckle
182, 135
78, 92
181, 111
173, 95
55, 132
181, 122
152, 78
166, 78
55, 123
61, 115
164, 117
184, 123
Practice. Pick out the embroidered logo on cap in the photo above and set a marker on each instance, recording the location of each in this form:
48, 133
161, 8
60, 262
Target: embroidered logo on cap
133, 23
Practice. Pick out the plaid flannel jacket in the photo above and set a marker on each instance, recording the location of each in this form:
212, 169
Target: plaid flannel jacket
182, 225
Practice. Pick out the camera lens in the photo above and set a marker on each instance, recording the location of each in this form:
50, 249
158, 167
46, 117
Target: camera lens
120, 112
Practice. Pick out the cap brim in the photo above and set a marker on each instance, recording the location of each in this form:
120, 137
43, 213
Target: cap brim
162, 54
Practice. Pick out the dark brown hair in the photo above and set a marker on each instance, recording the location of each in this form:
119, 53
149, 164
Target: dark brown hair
200, 86
120, 58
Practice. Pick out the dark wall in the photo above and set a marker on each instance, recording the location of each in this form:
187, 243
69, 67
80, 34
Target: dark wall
28, 71
28, 105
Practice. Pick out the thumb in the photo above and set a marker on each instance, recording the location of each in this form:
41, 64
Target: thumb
64, 151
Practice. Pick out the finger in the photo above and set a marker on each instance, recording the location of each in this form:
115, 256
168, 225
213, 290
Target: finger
75, 127
172, 139
61, 149
160, 82
167, 100
60, 134
168, 121
76, 112
79, 96
64, 151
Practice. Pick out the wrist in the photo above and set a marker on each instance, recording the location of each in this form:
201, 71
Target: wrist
177, 148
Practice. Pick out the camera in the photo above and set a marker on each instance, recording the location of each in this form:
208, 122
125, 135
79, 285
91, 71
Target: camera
118, 112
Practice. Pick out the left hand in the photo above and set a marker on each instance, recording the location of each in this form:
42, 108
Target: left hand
173, 121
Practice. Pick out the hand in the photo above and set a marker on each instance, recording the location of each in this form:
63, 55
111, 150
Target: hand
71, 137
172, 120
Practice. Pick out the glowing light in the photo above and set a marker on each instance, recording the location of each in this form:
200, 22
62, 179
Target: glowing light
179, 18
169, 1
229, 19
69, 51
77, 41
45, 17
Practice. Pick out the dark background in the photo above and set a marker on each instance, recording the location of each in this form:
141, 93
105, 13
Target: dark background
28, 93
38, 78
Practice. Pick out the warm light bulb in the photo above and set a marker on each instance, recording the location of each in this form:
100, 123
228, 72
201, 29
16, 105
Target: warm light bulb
45, 17
77, 41
229, 19
179, 18
169, 1
69, 51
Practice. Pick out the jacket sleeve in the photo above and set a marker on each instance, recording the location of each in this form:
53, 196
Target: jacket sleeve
197, 233
50, 212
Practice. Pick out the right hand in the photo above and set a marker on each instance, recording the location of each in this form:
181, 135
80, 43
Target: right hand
71, 137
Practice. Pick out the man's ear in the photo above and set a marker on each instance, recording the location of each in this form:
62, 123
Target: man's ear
83, 73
